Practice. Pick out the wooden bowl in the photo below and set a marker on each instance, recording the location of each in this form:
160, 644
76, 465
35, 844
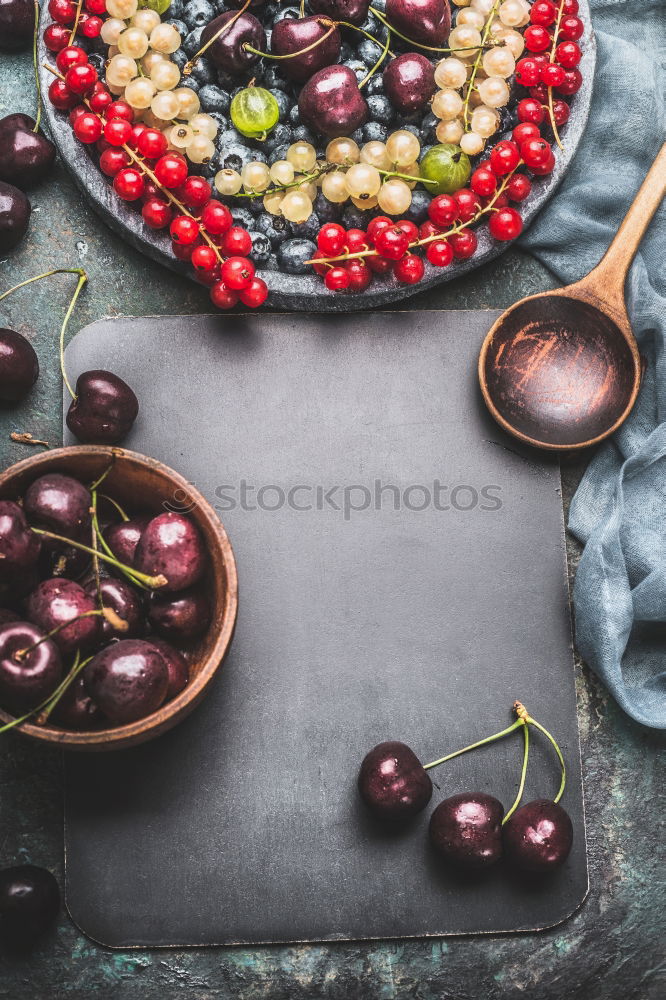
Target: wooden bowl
133, 476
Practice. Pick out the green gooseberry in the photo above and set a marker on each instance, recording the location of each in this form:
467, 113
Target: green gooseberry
254, 112
447, 167
160, 6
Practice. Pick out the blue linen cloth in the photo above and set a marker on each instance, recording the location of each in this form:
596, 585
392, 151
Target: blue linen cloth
619, 510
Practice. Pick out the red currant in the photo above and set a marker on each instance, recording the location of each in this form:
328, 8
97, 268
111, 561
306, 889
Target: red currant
128, 184
360, 275
135, 134
428, 228
560, 112
504, 158
410, 229
117, 132
171, 170
121, 109
89, 26
61, 97
76, 113
529, 110
237, 272
70, 56
100, 101
378, 264
527, 72
56, 37
539, 93
331, 239
337, 279
572, 83
204, 258
81, 79
552, 75
195, 192
184, 230
526, 130
392, 242
255, 294
223, 297
543, 12
518, 187
88, 127
537, 39
463, 243
96, 7
570, 7
467, 204
571, 28
483, 181
216, 218
442, 210
112, 161
183, 251
568, 54
535, 152
207, 278
320, 269
505, 224
356, 240
62, 11
409, 269
439, 253
376, 225
546, 167
236, 242
152, 143
157, 214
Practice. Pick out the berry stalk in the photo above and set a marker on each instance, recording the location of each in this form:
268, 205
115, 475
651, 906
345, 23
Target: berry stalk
154, 582
419, 45
72, 34
38, 86
523, 773
291, 55
46, 707
551, 110
479, 743
469, 85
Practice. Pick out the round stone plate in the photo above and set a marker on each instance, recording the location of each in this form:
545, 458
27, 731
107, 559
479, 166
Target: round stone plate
307, 292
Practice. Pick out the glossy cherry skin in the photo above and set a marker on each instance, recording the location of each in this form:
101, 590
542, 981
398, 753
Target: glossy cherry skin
331, 103
76, 710
227, 51
354, 11
466, 829
425, 21
119, 596
409, 82
538, 837
176, 664
127, 680
123, 538
393, 783
104, 408
25, 681
19, 546
60, 504
19, 367
171, 545
293, 34
179, 617
17, 24
57, 601
26, 157
14, 216
29, 904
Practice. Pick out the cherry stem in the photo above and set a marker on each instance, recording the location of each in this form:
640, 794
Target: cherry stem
189, 66
551, 111
552, 739
477, 62
95, 546
382, 57
26, 437
131, 574
100, 479
291, 55
153, 582
523, 773
115, 620
123, 515
373, 38
83, 277
46, 707
428, 48
489, 739
38, 86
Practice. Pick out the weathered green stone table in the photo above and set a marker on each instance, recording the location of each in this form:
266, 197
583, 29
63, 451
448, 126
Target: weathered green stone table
611, 949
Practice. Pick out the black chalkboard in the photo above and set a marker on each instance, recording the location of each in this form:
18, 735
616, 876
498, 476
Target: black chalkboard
398, 609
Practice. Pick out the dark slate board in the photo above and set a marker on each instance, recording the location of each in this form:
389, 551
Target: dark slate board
243, 824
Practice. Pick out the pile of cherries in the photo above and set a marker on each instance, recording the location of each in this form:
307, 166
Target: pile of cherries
470, 830
98, 613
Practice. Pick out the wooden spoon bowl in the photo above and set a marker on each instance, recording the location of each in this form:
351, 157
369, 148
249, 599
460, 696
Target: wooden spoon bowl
136, 481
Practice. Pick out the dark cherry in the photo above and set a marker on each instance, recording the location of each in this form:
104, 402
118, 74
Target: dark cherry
19, 367
293, 34
76, 709
59, 559
227, 52
180, 616
56, 601
18, 586
393, 782
14, 215
25, 681
29, 904
409, 82
26, 157
331, 103
171, 544
123, 538
19, 546
538, 837
17, 24
104, 408
354, 11
425, 21
466, 829
60, 504
121, 597
127, 680
237, 4
176, 664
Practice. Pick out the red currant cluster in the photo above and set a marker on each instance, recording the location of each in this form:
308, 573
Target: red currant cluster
142, 168
348, 259
64, 13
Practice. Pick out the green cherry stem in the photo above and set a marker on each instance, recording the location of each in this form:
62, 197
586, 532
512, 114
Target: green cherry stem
552, 739
191, 63
382, 57
523, 773
362, 31
290, 55
124, 516
132, 575
428, 48
38, 86
154, 582
113, 619
46, 707
473, 746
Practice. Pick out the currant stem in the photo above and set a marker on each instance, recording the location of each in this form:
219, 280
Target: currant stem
191, 63
406, 177
523, 773
428, 48
477, 63
153, 582
72, 34
290, 55
83, 277
305, 179
551, 111
489, 739
38, 86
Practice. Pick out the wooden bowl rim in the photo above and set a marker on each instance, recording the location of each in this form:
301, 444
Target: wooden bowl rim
171, 712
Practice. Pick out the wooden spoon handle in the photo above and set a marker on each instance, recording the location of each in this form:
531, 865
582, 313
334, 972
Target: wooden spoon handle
610, 272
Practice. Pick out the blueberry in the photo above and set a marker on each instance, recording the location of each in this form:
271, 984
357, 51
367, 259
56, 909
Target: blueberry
225, 80
428, 127
270, 11
272, 77
303, 134
192, 83
358, 68
235, 157
261, 247
180, 26
219, 5
308, 229
357, 136
209, 169
295, 116
275, 227
368, 52
259, 153
373, 25
418, 210
97, 61
408, 126
375, 85
198, 13
281, 134
222, 121
354, 218
242, 216
325, 209
284, 102
347, 51
381, 109
180, 58
292, 255
272, 264
287, 12
279, 152
176, 8
192, 42
203, 72
374, 132
214, 99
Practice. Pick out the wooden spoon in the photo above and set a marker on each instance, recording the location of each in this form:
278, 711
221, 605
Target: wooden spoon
561, 370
